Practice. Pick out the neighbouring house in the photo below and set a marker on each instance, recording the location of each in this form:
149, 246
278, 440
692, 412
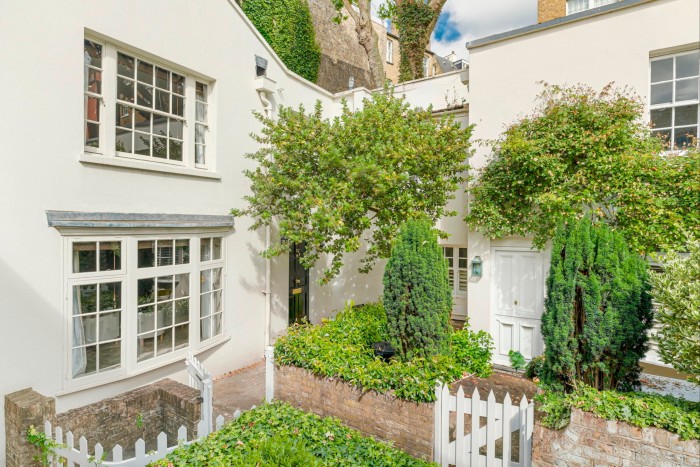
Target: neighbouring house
123, 161
651, 46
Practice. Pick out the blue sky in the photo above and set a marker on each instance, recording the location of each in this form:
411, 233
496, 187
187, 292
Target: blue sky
465, 20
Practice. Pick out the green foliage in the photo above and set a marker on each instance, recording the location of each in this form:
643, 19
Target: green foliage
517, 361
341, 348
677, 292
318, 179
45, 444
286, 25
277, 434
597, 311
535, 367
636, 408
586, 152
417, 295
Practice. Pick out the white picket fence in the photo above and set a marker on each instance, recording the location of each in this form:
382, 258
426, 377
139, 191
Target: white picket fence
67, 454
502, 419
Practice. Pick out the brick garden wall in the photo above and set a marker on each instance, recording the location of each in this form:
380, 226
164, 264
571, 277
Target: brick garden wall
407, 424
589, 440
162, 406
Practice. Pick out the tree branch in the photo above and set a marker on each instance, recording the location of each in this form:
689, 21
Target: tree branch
353, 14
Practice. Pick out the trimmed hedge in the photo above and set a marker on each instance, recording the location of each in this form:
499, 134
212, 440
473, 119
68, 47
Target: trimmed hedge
277, 434
342, 348
636, 408
286, 25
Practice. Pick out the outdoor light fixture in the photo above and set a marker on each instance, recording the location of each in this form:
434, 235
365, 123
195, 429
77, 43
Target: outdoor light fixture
351, 82
476, 266
260, 66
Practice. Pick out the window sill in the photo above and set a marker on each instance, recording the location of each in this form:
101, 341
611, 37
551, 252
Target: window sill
87, 158
123, 376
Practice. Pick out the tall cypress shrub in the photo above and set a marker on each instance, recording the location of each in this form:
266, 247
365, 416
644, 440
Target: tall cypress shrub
417, 296
598, 309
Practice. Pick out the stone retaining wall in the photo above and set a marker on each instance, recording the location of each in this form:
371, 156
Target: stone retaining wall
589, 440
408, 425
142, 413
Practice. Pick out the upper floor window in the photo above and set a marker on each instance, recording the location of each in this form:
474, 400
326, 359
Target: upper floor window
574, 6
140, 109
674, 98
389, 52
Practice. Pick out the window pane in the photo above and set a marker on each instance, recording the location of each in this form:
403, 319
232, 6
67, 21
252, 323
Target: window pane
92, 109
463, 253
162, 78
146, 319
688, 65
661, 70
110, 256
146, 254
175, 129
661, 118
124, 117
205, 249
145, 347
201, 112
199, 154
205, 304
84, 299
92, 53
165, 252
178, 83
462, 263
686, 115
125, 65
218, 303
216, 248
145, 72
160, 147
684, 137
165, 288
201, 92
164, 315
142, 144
93, 82
160, 125
84, 330
92, 135
574, 6
125, 90
146, 291
123, 142
144, 95
178, 106
110, 355
162, 101
181, 337
216, 278
687, 89
110, 296
182, 285
205, 328
175, 150
84, 257
664, 136
182, 310
143, 120
218, 323
205, 280
199, 133
182, 251
84, 361
110, 326
661, 93
165, 342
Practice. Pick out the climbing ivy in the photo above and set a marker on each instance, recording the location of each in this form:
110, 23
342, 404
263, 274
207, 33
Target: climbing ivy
413, 21
286, 25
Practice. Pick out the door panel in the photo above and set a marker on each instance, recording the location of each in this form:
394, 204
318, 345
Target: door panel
298, 286
518, 303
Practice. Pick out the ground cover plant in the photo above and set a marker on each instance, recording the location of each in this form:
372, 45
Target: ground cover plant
636, 408
417, 294
277, 434
341, 348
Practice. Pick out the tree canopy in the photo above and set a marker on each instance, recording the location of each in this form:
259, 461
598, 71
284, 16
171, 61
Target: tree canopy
357, 178
580, 152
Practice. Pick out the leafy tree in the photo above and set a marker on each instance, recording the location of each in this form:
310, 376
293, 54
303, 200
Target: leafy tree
677, 291
417, 296
336, 184
587, 152
415, 20
597, 311
286, 25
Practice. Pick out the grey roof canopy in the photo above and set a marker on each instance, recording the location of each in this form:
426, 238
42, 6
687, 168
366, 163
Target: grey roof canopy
60, 219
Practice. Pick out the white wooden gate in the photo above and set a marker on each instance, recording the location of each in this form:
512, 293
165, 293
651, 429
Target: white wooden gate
201, 379
502, 420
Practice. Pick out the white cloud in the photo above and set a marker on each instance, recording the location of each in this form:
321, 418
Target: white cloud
474, 19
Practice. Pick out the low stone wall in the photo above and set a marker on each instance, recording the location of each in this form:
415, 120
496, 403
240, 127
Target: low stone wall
123, 419
589, 440
408, 425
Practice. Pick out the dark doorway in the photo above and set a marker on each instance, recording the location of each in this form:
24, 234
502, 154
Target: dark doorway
298, 285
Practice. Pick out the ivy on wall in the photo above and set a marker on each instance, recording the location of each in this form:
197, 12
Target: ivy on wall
415, 22
286, 25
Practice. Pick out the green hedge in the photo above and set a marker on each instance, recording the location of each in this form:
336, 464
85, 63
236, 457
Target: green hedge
286, 25
278, 435
636, 408
342, 348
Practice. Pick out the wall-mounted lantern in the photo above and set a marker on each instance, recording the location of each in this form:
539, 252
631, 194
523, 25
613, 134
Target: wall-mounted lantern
477, 266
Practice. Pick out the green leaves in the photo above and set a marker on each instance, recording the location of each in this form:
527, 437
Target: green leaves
677, 292
341, 348
337, 184
583, 152
636, 408
277, 434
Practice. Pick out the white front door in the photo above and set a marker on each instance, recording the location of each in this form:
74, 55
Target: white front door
517, 303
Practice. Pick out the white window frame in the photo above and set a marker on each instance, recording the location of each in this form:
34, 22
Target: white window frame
390, 51
590, 4
674, 104
106, 149
129, 276
456, 291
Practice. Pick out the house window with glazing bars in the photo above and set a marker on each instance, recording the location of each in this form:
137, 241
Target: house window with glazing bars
457, 269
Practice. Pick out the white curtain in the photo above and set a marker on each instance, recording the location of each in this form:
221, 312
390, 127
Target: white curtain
79, 360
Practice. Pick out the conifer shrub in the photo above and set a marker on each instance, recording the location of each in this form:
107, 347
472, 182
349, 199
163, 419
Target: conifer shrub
417, 295
597, 312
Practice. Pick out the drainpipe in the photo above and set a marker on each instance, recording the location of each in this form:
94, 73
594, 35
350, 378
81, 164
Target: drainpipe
264, 87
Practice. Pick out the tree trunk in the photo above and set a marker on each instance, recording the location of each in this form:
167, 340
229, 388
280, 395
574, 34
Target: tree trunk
368, 39
416, 21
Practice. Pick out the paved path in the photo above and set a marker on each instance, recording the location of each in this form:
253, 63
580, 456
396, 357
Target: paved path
239, 390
